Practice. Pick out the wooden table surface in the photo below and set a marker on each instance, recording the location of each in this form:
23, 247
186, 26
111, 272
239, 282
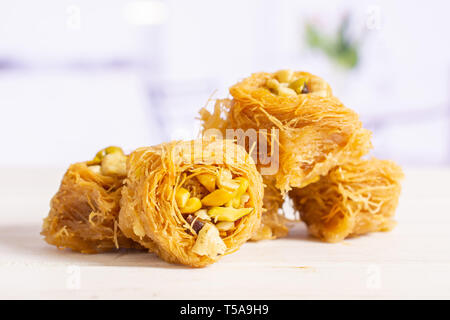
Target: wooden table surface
413, 261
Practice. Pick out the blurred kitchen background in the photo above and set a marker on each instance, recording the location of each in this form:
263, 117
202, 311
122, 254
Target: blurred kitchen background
78, 75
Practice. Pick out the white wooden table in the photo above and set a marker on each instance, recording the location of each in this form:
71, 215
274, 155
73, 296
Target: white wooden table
413, 261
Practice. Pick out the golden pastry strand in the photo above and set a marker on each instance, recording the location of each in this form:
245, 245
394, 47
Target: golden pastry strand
191, 201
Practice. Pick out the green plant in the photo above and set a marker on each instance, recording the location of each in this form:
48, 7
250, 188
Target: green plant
339, 47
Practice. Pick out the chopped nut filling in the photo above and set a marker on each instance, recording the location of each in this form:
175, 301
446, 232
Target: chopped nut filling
284, 84
109, 161
114, 164
196, 224
225, 225
95, 168
203, 214
213, 203
208, 181
209, 243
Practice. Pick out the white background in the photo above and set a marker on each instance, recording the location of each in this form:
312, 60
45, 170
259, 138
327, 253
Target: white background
79, 75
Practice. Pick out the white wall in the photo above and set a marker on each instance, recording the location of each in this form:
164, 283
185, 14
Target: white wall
81, 86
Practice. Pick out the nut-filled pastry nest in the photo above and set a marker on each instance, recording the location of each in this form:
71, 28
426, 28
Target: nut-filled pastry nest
191, 202
84, 212
316, 131
356, 198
